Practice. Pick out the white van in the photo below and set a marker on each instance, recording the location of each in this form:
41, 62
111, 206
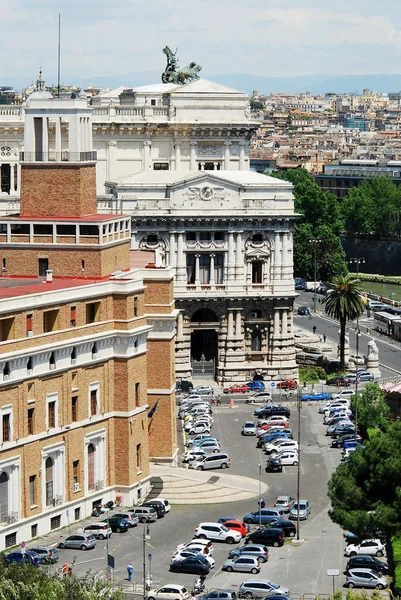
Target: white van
344, 394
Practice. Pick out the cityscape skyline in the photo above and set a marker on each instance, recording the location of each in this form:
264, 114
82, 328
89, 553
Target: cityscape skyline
284, 38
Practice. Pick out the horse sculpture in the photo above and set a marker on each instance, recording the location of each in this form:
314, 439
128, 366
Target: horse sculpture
172, 74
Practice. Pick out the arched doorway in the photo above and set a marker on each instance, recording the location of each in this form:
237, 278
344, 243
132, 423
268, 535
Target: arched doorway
91, 467
4, 483
204, 340
49, 468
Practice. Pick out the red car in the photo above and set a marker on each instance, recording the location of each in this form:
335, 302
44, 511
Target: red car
237, 388
240, 526
287, 384
282, 424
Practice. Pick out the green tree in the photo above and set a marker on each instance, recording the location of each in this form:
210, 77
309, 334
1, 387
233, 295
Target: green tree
321, 219
256, 105
344, 303
365, 492
373, 410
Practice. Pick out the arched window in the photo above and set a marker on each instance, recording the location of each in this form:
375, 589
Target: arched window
257, 238
4, 483
91, 467
256, 341
49, 468
52, 361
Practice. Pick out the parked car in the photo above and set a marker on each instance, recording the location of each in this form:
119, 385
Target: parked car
210, 446
260, 551
211, 461
264, 515
357, 359
365, 578
259, 397
157, 505
284, 503
198, 542
171, 591
303, 310
273, 464
237, 388
128, 516
99, 530
237, 525
336, 428
334, 403
261, 587
244, 564
339, 380
165, 502
217, 531
304, 510
270, 410
249, 428
340, 441
47, 554
342, 428
192, 564
260, 409
365, 561
219, 595
274, 447
318, 396
287, 384
288, 457
190, 552
198, 439
193, 455
365, 376
371, 547
287, 526
78, 542
204, 390
26, 558
268, 536
145, 514
194, 428
267, 436
117, 525
256, 385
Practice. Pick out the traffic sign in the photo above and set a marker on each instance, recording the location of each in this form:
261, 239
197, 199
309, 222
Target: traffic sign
273, 384
110, 561
23, 547
149, 556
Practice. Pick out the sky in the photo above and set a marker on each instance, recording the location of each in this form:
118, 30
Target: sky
259, 37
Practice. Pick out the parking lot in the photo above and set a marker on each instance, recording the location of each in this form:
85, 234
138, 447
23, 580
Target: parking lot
300, 568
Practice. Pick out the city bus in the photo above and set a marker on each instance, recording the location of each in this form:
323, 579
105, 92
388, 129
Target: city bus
384, 321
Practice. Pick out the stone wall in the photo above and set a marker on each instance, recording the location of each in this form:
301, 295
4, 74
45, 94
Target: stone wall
381, 256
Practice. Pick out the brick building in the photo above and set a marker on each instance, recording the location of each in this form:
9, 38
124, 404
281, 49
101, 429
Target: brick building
86, 342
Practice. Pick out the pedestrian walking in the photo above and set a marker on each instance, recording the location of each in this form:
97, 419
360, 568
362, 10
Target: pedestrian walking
130, 571
324, 338
320, 338
314, 329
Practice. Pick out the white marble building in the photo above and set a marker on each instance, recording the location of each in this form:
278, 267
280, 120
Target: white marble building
176, 158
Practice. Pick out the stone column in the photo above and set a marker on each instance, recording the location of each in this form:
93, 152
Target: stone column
242, 156
77, 234
111, 163
193, 156
45, 139
230, 323
285, 263
227, 155
197, 280
18, 179
276, 324
284, 323
31, 233
238, 333
231, 263
277, 256
180, 326
239, 262
172, 256
147, 145
58, 139
177, 156
211, 280
181, 275
8, 225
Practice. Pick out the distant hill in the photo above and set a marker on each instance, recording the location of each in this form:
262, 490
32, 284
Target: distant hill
316, 84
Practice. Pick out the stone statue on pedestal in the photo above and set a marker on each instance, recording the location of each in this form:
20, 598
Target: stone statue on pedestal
172, 74
372, 359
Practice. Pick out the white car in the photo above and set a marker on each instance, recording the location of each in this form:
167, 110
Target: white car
370, 547
288, 457
259, 397
273, 420
343, 414
357, 359
344, 394
193, 551
198, 428
165, 502
193, 455
249, 428
338, 402
207, 545
281, 445
197, 438
217, 531
172, 591
204, 390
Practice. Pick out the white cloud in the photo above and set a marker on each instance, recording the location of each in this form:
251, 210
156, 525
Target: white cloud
273, 37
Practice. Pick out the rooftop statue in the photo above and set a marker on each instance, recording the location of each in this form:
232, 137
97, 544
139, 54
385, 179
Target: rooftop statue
172, 74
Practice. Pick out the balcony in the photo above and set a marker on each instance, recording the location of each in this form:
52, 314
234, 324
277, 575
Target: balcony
64, 156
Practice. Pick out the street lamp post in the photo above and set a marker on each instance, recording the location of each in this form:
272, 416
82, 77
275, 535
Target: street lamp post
145, 592
315, 242
260, 495
107, 547
357, 262
299, 459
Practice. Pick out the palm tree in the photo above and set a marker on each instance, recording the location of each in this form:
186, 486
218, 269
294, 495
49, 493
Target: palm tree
344, 303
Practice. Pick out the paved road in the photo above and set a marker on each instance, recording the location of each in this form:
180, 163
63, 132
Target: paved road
389, 354
302, 569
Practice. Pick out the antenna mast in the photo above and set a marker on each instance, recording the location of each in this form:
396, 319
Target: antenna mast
58, 59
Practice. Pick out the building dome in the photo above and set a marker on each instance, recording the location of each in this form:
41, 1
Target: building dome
40, 93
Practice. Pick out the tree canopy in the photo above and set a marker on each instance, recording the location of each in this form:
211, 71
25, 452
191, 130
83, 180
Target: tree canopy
372, 409
365, 492
321, 219
373, 208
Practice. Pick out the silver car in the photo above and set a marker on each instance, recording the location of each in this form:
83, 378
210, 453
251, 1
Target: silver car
304, 510
78, 542
249, 428
211, 461
244, 564
365, 578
